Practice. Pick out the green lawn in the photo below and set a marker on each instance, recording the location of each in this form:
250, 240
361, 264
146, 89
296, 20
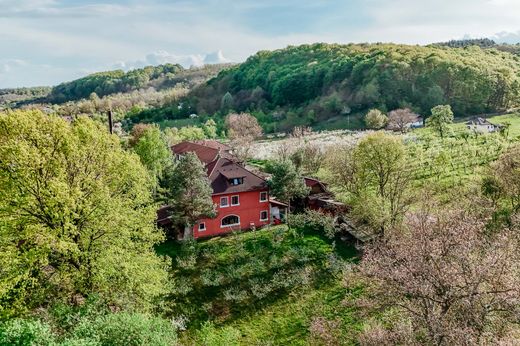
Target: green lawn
263, 287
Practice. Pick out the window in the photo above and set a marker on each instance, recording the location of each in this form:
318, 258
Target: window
236, 181
235, 200
202, 226
263, 215
230, 220
224, 202
263, 196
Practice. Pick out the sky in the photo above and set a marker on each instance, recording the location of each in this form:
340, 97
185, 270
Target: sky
45, 42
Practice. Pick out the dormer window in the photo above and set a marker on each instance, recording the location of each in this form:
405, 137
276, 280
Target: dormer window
236, 181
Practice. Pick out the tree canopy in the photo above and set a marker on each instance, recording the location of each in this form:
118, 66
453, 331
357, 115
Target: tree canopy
76, 216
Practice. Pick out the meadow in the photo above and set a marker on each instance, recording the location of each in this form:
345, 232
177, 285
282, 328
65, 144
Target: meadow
274, 286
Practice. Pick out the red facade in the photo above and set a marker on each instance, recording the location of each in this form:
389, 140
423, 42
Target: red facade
240, 196
252, 211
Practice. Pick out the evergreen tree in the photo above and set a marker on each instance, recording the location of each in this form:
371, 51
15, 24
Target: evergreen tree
187, 190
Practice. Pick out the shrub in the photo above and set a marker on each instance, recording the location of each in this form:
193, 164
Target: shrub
127, 329
25, 332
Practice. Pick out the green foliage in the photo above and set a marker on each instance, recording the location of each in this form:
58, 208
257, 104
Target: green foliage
153, 151
227, 277
187, 189
313, 221
175, 135
286, 183
330, 81
441, 117
111, 82
76, 216
116, 329
375, 119
122, 329
210, 129
209, 335
20, 332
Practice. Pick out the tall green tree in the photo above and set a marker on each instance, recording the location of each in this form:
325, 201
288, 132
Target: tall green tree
376, 178
76, 216
154, 152
187, 190
441, 117
286, 182
375, 119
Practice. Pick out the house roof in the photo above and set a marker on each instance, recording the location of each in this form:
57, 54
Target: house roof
479, 121
311, 182
210, 143
204, 153
225, 169
221, 166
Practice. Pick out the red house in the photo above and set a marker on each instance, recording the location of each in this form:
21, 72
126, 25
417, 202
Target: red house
241, 197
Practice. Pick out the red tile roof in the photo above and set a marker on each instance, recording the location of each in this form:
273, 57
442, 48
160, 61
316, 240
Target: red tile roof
210, 143
226, 167
205, 154
221, 166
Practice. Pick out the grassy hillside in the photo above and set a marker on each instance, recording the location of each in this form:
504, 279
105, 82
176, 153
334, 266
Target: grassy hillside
263, 287
310, 84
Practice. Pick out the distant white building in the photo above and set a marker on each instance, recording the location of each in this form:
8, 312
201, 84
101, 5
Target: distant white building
482, 125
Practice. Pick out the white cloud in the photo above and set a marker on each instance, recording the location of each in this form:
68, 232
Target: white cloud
163, 57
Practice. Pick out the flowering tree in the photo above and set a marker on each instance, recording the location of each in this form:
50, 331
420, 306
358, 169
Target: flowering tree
447, 280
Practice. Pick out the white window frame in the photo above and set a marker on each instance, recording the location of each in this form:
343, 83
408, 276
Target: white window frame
231, 202
202, 229
233, 225
266, 213
227, 202
266, 196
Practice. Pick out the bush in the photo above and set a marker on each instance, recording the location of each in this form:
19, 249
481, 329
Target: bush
127, 329
314, 221
25, 332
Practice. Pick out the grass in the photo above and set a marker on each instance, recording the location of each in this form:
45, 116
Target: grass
342, 122
179, 123
222, 273
459, 157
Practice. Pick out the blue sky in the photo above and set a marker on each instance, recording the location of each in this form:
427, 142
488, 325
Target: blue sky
44, 42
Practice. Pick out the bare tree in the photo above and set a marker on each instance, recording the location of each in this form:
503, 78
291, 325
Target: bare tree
401, 119
243, 129
447, 280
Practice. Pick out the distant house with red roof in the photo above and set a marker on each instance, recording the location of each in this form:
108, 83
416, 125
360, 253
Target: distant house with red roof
241, 197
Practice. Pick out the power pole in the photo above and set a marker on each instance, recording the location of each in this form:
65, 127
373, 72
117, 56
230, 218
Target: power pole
110, 122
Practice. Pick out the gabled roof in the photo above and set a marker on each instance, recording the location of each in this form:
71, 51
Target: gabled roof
225, 168
211, 143
479, 121
221, 166
311, 182
204, 153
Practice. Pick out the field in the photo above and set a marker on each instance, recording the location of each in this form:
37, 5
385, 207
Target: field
275, 286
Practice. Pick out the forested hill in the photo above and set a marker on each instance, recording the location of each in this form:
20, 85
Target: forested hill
319, 81
112, 82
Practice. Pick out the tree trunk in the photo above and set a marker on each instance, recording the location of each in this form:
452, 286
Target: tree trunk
188, 232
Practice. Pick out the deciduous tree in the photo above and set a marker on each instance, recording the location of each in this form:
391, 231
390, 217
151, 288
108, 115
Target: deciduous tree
447, 280
242, 129
375, 119
286, 182
401, 119
76, 216
441, 117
